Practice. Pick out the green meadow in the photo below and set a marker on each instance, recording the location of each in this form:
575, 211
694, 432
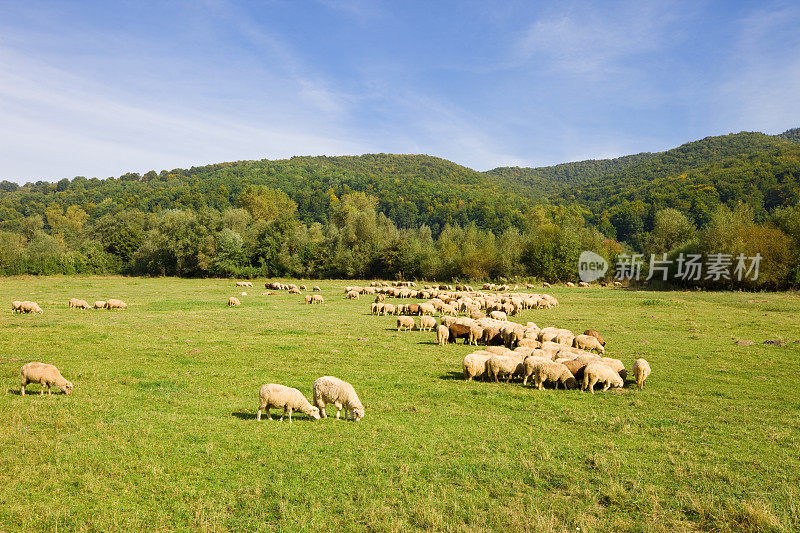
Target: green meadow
160, 431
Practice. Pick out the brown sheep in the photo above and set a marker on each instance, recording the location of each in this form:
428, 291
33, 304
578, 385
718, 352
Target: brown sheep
596, 334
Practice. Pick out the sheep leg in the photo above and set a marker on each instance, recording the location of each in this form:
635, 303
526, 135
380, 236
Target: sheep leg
22, 390
607, 386
258, 418
338, 410
592, 384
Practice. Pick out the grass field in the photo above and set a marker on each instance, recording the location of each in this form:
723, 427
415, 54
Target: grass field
160, 431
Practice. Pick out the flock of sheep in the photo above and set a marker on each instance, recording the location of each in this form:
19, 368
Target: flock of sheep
513, 350
327, 390
74, 303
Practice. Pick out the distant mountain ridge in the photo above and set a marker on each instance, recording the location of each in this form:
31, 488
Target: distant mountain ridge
618, 194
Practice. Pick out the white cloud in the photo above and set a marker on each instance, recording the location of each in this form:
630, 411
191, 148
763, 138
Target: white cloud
762, 88
592, 42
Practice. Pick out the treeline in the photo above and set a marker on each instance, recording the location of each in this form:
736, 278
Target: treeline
264, 237
385, 215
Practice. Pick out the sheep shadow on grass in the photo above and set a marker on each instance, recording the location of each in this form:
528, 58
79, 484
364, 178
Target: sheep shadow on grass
35, 392
453, 375
276, 415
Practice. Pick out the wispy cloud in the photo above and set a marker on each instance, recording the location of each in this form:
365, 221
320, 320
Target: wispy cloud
763, 82
593, 40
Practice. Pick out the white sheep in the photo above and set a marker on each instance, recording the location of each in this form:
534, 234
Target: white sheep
504, 365
16, 307
317, 299
352, 295
75, 303
498, 315
552, 371
30, 307
427, 323
474, 364
46, 375
233, 301
316, 288
588, 342
598, 372
274, 396
405, 322
341, 394
475, 334
113, 303
308, 299
99, 304
442, 334
530, 363
641, 369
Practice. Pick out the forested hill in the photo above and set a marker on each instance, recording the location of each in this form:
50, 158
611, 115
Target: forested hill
411, 190
411, 215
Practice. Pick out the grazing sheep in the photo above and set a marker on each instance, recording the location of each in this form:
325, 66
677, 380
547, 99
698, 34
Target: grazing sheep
30, 307
405, 322
427, 309
475, 334
442, 334
99, 304
641, 369
530, 363
352, 295
46, 375
16, 307
504, 365
448, 320
565, 337
113, 303
583, 284
546, 285
244, 293
303, 288
491, 335
317, 299
552, 371
380, 298
341, 394
308, 299
459, 331
474, 365
294, 290
499, 315
375, 309
274, 396
588, 342
600, 373
596, 334
570, 284
233, 301
75, 303
427, 323
616, 364
316, 288
388, 309
530, 343
449, 310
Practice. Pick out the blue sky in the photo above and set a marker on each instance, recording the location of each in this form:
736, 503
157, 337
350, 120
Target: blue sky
103, 88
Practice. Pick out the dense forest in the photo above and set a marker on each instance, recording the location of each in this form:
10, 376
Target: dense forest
416, 216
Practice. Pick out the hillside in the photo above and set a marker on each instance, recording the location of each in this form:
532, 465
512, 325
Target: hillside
407, 215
